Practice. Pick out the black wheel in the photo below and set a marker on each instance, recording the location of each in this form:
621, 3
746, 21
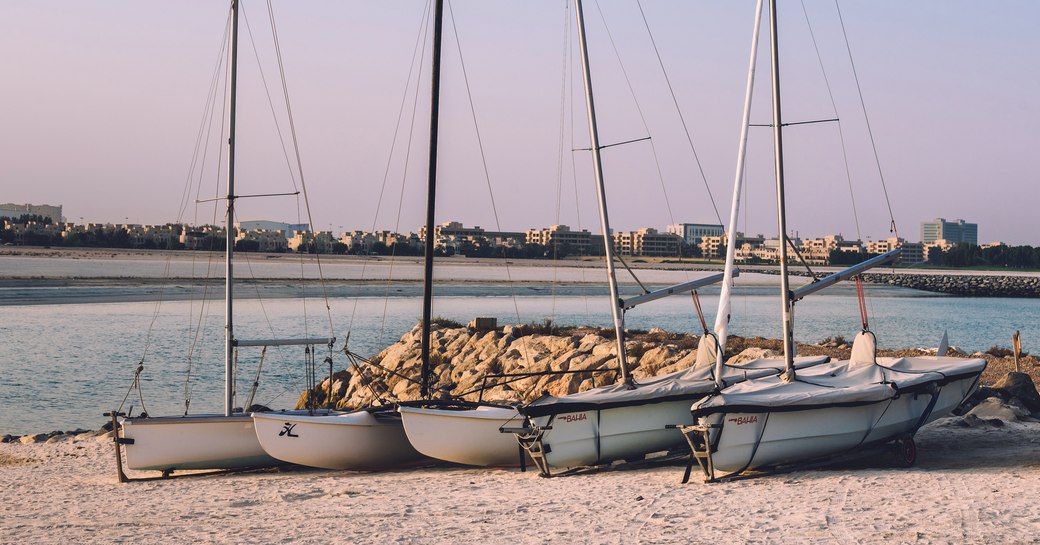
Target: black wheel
907, 450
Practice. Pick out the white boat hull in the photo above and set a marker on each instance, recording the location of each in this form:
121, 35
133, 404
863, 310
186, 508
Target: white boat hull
754, 440
470, 436
955, 391
788, 423
359, 440
593, 437
643, 421
193, 442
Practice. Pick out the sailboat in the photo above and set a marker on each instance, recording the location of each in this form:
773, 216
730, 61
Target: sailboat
630, 419
480, 434
805, 414
208, 441
373, 438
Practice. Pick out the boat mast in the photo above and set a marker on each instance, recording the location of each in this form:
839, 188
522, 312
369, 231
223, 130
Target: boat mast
608, 246
722, 318
229, 336
424, 390
778, 150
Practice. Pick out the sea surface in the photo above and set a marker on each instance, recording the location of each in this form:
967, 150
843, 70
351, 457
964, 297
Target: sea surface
63, 365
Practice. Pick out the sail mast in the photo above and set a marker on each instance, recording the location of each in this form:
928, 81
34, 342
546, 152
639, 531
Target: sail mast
778, 150
431, 194
615, 299
722, 318
229, 334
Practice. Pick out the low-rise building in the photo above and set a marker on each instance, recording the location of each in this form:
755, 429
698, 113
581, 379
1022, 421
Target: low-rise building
267, 241
15, 211
560, 236
647, 242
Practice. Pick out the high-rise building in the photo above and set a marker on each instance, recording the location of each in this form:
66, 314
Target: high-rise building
955, 231
693, 233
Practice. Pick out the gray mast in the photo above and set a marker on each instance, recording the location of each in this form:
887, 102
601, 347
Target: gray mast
615, 299
778, 150
229, 336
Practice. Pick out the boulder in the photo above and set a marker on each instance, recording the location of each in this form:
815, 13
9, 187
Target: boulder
994, 408
750, 354
1020, 385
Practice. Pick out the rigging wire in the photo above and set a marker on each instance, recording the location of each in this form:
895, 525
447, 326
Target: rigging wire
642, 117
866, 118
586, 288
834, 107
675, 101
205, 305
560, 156
299, 163
404, 176
185, 194
487, 173
420, 35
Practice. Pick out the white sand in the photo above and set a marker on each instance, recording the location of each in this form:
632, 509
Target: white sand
972, 485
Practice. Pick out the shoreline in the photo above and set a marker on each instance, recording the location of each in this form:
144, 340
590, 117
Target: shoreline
181, 267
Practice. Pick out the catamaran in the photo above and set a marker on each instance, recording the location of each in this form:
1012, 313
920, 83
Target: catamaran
804, 414
630, 419
372, 438
209, 441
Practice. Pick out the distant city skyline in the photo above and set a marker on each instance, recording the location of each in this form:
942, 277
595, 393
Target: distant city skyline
102, 105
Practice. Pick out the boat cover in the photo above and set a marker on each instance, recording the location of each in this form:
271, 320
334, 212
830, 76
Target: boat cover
686, 384
952, 368
843, 383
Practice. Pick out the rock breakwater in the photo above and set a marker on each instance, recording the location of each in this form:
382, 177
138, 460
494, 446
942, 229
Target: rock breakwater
464, 360
969, 285
962, 284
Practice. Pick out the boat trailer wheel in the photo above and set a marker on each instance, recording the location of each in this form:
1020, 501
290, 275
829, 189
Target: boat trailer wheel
907, 451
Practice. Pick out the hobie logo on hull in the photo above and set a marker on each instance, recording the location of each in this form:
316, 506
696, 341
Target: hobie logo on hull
287, 431
744, 419
574, 417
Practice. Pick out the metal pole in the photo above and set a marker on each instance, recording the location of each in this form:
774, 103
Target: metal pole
722, 318
778, 150
229, 334
615, 299
431, 200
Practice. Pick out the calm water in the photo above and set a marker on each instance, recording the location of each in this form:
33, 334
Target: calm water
65, 364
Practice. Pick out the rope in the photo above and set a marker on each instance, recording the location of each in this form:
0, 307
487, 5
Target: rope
135, 384
256, 379
862, 302
700, 313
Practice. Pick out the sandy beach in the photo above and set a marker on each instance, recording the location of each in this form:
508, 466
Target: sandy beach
971, 485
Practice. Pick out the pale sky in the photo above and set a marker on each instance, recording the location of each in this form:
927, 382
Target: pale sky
100, 104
